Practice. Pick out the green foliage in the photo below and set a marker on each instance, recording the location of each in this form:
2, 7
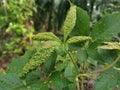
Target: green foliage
103, 31
37, 59
77, 39
10, 81
17, 65
82, 56
57, 81
106, 28
110, 45
60, 67
69, 22
82, 26
46, 36
50, 63
70, 72
108, 80
16, 27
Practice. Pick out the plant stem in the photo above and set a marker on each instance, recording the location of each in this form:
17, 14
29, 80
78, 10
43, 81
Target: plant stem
72, 60
82, 83
106, 68
70, 2
77, 83
81, 76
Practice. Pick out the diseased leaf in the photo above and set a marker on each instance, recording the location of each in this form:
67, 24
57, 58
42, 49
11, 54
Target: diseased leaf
69, 22
82, 26
45, 36
37, 59
110, 45
77, 39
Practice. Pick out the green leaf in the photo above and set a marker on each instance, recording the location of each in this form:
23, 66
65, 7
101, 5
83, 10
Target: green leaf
50, 63
77, 39
62, 65
108, 80
69, 22
92, 50
10, 81
103, 31
38, 85
70, 72
40, 57
57, 81
82, 25
17, 64
82, 56
106, 28
110, 45
92, 61
33, 76
46, 36
119, 81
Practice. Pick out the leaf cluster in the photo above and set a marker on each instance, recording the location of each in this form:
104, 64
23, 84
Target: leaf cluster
64, 64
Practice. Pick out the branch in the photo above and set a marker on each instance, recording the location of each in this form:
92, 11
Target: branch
106, 68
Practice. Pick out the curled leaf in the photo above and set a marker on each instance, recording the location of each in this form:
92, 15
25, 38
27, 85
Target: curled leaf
77, 39
37, 59
110, 45
45, 36
69, 22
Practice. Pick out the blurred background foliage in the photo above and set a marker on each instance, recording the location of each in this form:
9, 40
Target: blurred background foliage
19, 19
